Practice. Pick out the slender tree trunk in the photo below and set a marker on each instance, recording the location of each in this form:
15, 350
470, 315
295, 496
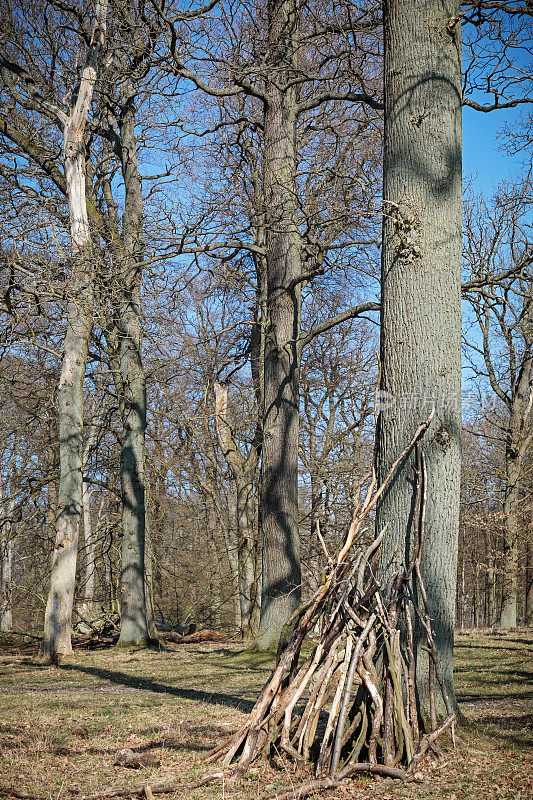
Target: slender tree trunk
246, 557
7, 555
243, 471
509, 607
281, 587
213, 545
491, 582
316, 525
149, 578
90, 548
462, 606
58, 614
421, 311
231, 540
6, 578
475, 597
88, 532
519, 439
51, 510
528, 616
134, 628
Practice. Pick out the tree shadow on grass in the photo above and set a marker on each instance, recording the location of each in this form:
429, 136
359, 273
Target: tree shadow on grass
510, 731
162, 744
146, 684
500, 644
471, 697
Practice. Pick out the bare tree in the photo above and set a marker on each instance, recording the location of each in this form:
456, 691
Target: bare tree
499, 288
421, 311
278, 69
56, 641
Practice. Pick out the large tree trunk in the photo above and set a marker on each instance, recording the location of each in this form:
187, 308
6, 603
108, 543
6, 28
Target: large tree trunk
281, 590
134, 628
58, 614
281, 576
421, 312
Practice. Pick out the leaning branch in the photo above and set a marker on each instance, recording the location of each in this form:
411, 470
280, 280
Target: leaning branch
497, 105
350, 313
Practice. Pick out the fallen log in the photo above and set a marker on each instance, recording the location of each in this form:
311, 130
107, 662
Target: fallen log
197, 638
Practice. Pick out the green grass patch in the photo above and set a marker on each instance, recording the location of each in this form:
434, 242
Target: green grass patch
61, 727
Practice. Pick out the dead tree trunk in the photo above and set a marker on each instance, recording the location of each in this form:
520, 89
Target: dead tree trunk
58, 615
421, 301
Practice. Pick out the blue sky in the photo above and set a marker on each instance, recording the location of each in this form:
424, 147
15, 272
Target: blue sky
481, 147
485, 160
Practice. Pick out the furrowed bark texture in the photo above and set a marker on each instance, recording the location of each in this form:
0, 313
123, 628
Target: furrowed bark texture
58, 614
281, 591
134, 628
421, 313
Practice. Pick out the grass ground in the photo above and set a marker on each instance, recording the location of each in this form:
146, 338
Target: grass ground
61, 727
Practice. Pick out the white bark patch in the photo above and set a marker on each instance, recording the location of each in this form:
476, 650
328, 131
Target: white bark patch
67, 371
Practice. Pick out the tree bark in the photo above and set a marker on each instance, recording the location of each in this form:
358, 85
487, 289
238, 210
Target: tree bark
6, 578
528, 616
490, 603
149, 577
519, 440
508, 612
7, 555
421, 312
58, 614
134, 627
243, 471
88, 532
281, 580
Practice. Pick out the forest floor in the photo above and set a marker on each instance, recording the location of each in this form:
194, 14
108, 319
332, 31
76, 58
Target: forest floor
61, 727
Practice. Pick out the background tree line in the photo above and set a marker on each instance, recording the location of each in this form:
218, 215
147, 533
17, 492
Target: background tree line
190, 265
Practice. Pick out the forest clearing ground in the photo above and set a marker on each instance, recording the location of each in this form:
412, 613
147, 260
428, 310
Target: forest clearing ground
61, 727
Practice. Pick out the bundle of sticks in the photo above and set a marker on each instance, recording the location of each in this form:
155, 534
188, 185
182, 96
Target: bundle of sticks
350, 705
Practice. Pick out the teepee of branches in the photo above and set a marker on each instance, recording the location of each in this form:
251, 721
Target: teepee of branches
350, 705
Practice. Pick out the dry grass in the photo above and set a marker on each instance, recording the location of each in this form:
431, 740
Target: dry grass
61, 727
